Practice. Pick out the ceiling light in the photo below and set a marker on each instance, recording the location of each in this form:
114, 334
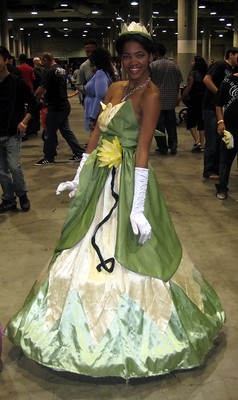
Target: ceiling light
64, 5
40, 24
213, 13
10, 19
134, 3
34, 12
155, 12
65, 20
171, 19
221, 35
164, 31
201, 6
46, 31
48, 35
229, 24
21, 29
88, 23
221, 19
94, 10
66, 35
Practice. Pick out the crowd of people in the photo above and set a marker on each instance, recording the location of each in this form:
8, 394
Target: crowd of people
48, 80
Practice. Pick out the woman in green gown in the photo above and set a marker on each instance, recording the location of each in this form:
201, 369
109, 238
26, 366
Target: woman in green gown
120, 296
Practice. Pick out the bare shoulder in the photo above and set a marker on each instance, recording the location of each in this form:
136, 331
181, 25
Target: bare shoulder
118, 85
115, 91
151, 94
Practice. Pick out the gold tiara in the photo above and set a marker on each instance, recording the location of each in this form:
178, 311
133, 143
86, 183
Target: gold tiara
135, 28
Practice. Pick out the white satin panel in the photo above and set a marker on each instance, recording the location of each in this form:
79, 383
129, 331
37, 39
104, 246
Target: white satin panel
101, 291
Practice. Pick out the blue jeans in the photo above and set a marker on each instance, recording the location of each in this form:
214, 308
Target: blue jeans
58, 120
212, 144
167, 122
11, 172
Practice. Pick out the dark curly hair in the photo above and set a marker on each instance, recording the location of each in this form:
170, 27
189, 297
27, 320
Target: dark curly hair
200, 65
145, 41
101, 58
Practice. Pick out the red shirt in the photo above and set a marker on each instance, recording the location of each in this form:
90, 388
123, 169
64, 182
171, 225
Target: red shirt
27, 74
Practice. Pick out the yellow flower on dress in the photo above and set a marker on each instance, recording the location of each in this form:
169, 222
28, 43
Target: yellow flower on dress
110, 154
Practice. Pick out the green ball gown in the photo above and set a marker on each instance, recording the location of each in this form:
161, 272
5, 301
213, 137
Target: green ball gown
148, 314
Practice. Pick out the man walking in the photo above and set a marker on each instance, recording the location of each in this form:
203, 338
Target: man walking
85, 71
54, 89
216, 73
167, 77
14, 94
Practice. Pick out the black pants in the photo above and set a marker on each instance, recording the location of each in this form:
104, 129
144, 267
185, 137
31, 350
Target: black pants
226, 159
167, 123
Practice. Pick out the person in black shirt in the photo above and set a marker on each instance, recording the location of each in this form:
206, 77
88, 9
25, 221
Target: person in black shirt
54, 89
14, 94
216, 73
226, 102
12, 67
195, 89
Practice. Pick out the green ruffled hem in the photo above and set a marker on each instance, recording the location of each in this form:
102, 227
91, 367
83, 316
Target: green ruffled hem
132, 347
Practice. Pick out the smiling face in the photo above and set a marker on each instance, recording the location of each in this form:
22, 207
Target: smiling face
135, 60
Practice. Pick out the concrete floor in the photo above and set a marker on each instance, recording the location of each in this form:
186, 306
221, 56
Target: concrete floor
207, 227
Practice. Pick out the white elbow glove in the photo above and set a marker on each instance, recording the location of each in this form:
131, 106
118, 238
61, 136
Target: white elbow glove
139, 223
72, 185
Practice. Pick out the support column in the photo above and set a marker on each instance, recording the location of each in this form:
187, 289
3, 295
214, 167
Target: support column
187, 35
235, 34
16, 39
4, 35
145, 14
113, 36
206, 43
105, 42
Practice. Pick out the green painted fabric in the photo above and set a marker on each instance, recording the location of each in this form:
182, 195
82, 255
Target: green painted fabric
153, 314
160, 256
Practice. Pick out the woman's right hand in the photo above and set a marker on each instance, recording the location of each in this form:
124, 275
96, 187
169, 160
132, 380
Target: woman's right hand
68, 185
220, 128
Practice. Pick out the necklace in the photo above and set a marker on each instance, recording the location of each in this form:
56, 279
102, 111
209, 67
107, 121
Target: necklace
133, 90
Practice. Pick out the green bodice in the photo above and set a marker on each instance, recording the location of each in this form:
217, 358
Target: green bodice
158, 257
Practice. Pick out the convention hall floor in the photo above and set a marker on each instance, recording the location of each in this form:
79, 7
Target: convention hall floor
206, 226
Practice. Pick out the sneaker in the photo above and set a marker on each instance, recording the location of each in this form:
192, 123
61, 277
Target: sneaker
213, 176
75, 158
7, 205
221, 195
24, 202
164, 152
173, 151
44, 161
196, 147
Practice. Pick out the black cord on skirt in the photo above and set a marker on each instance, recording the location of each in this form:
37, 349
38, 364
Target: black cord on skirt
103, 263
